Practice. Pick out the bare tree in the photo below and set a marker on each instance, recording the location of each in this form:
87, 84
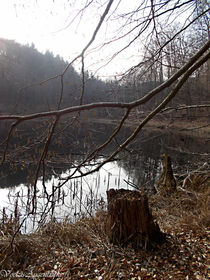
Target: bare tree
171, 68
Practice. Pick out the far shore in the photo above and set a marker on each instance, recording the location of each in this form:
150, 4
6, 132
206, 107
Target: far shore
197, 128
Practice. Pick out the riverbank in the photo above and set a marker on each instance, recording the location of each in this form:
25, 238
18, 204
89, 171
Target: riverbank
82, 251
197, 127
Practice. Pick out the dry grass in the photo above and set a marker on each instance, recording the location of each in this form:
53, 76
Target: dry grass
30, 250
66, 243
188, 207
19, 253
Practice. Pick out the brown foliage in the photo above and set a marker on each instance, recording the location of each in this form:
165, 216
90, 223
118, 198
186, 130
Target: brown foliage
82, 251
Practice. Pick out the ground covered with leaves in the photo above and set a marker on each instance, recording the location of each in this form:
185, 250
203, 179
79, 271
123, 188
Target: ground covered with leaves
82, 250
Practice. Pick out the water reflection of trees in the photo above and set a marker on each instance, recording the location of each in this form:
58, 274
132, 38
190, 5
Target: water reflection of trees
141, 161
21, 163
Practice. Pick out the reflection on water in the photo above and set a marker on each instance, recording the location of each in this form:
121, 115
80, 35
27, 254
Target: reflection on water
139, 164
76, 196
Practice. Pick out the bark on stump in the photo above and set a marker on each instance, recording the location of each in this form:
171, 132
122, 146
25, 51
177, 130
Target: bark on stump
129, 220
167, 181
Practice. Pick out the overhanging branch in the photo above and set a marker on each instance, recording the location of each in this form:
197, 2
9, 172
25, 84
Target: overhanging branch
121, 105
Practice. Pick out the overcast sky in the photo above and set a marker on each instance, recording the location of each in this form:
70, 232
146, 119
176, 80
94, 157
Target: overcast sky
48, 24
61, 27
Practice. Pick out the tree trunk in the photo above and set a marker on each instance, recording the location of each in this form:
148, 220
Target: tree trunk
166, 182
129, 220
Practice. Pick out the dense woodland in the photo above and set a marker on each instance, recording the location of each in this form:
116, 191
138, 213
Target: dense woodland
55, 223
23, 69
23, 66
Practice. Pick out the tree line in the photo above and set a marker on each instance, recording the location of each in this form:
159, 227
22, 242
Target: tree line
23, 72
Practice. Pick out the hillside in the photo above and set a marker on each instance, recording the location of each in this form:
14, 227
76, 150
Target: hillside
23, 86
23, 72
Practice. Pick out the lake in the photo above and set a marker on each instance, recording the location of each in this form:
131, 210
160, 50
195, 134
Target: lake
138, 165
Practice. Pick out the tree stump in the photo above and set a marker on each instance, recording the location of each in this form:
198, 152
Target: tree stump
129, 220
166, 182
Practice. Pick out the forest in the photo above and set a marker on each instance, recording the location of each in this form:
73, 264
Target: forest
106, 176
24, 70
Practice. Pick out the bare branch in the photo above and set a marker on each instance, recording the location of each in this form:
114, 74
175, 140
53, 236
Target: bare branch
183, 107
130, 105
192, 66
41, 159
81, 55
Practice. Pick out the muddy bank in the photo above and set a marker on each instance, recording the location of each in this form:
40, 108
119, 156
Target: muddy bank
195, 128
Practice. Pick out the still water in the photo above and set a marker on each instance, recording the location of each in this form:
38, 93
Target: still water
79, 195
139, 165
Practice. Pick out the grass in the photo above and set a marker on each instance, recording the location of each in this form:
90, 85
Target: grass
82, 250
188, 207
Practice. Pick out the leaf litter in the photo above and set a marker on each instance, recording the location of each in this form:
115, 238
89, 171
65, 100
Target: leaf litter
82, 250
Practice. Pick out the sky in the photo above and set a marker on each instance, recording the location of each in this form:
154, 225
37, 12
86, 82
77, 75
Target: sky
53, 25
64, 27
